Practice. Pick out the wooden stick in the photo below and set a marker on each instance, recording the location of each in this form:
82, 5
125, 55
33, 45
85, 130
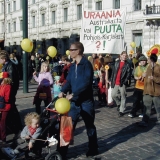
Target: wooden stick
38, 139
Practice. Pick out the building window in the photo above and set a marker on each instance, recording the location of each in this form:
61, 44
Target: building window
137, 4
43, 19
99, 5
79, 12
21, 25
14, 26
65, 14
116, 4
2, 27
2, 7
9, 28
20, 4
33, 22
53, 17
33, 1
9, 8
14, 5
137, 38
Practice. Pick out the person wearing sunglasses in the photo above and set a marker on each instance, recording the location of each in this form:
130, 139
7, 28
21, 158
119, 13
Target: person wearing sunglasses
79, 81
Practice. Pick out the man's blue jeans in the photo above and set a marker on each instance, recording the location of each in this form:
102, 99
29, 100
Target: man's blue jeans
87, 112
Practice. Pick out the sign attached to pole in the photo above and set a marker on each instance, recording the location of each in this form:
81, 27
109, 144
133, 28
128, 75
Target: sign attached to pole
103, 31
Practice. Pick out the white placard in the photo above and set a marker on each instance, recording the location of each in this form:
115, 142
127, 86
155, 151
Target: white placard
103, 31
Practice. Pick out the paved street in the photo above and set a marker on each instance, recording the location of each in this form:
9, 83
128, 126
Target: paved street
118, 138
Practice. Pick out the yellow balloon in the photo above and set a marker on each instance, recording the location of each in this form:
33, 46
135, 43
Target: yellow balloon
133, 44
62, 105
52, 51
67, 52
27, 45
89, 57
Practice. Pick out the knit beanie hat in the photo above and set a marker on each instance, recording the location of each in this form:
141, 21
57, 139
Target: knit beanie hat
153, 57
4, 75
142, 58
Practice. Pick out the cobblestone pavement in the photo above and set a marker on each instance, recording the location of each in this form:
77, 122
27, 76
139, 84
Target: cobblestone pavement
118, 138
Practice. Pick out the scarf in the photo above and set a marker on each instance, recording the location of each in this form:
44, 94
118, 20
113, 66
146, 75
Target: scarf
32, 130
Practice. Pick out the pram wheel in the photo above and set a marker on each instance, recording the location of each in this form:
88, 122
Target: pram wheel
53, 156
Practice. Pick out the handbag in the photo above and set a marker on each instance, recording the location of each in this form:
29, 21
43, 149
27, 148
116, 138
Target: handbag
66, 130
42, 93
43, 96
2, 102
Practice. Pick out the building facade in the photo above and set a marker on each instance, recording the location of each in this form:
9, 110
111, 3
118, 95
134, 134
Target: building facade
58, 23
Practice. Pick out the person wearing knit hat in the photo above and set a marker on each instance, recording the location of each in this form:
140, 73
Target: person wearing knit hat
139, 87
5, 103
142, 58
4, 75
151, 93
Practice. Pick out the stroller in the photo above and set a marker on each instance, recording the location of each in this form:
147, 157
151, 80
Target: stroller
47, 139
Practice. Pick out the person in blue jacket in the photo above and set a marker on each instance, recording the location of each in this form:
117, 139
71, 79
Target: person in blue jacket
79, 81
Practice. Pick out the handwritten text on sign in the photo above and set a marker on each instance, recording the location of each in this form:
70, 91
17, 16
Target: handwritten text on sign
103, 31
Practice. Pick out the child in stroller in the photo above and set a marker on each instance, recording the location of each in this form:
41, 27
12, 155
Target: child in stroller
27, 138
33, 137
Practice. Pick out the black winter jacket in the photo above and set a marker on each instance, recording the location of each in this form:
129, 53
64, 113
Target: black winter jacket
13, 73
125, 74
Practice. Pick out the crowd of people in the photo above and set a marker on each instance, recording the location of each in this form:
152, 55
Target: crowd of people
73, 78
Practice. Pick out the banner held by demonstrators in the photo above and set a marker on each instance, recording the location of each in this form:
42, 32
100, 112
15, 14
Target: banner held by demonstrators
103, 31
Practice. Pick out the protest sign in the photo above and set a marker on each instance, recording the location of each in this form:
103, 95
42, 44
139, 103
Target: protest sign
103, 31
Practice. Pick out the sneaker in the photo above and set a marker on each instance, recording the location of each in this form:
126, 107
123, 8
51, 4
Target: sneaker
143, 124
131, 115
92, 153
9, 152
140, 116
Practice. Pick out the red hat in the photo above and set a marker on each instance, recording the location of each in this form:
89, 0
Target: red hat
4, 75
154, 50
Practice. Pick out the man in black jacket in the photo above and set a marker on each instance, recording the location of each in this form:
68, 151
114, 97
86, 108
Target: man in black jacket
9, 67
119, 80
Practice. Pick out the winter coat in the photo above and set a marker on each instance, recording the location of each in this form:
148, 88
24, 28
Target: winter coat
64, 74
125, 74
79, 81
44, 79
25, 132
13, 73
152, 86
5, 91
